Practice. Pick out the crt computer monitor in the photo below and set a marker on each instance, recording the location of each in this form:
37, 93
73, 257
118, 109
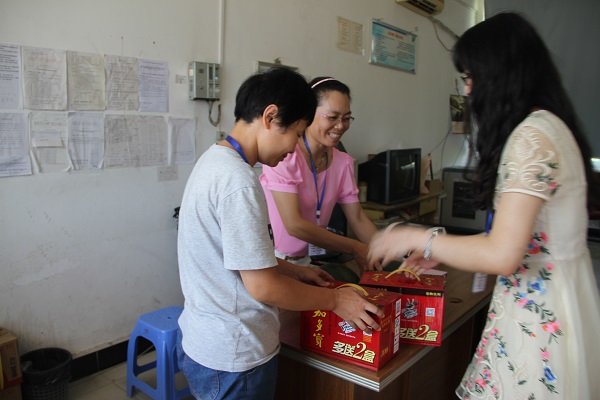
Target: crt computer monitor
392, 176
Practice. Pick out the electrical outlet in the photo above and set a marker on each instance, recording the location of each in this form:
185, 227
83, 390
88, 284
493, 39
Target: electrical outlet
221, 135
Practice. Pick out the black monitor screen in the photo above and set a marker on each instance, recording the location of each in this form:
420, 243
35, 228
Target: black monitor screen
392, 176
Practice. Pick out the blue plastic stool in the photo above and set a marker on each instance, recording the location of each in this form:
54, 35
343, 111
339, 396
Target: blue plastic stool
160, 328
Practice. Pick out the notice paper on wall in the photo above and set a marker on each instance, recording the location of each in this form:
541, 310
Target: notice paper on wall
183, 141
393, 47
10, 76
48, 131
14, 145
136, 141
86, 81
121, 83
44, 79
154, 86
349, 35
86, 140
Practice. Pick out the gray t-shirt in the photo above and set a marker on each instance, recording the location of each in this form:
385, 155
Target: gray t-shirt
223, 228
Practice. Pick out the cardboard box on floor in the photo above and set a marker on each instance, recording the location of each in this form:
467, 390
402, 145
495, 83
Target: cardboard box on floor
9, 360
11, 393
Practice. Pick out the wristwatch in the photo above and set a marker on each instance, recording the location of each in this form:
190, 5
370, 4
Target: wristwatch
438, 230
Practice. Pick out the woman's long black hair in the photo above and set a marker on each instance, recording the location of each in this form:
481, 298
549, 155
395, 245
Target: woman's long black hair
512, 74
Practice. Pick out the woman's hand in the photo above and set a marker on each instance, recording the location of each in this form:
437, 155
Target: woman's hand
310, 275
360, 252
396, 242
416, 263
314, 276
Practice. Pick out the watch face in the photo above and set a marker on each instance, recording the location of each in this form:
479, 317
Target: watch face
427, 254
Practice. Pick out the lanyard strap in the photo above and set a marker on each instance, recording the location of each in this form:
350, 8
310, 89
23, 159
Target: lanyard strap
488, 222
313, 168
237, 147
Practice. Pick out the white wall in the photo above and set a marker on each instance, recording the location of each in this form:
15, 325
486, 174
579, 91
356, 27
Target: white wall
562, 25
392, 108
83, 254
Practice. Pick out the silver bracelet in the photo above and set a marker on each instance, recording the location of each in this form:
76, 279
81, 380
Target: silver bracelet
438, 230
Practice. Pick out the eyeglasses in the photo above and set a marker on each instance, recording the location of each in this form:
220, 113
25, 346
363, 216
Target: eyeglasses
466, 78
333, 119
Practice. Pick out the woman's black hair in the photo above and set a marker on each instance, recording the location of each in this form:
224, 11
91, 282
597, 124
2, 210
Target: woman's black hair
282, 87
512, 74
323, 84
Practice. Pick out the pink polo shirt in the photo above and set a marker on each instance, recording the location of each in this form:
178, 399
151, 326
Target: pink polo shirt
293, 175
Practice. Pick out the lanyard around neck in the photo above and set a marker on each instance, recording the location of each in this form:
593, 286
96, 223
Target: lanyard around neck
237, 147
313, 168
488, 222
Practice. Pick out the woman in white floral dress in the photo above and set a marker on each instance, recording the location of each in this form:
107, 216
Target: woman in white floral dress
541, 337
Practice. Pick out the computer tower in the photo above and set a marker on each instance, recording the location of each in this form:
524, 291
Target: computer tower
458, 213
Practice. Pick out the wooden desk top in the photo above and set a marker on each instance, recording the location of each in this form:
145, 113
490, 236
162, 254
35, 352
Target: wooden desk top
460, 305
389, 207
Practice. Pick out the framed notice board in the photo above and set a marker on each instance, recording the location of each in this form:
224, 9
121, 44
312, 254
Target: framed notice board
393, 47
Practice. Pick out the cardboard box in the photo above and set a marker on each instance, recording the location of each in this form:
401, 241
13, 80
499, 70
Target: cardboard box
9, 359
11, 393
324, 332
422, 303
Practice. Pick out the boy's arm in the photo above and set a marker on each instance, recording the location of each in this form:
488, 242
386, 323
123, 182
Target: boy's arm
270, 286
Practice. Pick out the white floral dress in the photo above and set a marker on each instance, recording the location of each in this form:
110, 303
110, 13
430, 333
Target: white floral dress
542, 335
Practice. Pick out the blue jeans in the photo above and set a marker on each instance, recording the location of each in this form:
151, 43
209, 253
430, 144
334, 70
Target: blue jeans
210, 384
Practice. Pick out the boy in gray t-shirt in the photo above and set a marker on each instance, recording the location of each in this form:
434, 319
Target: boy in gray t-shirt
232, 283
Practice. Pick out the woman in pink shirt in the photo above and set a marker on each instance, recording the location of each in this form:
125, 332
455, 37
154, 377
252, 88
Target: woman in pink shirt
303, 189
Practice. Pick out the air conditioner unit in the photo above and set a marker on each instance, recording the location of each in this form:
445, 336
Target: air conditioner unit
423, 7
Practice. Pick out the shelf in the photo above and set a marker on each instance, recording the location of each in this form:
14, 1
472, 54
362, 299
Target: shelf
425, 205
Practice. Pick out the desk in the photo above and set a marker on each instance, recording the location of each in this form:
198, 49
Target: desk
416, 372
420, 209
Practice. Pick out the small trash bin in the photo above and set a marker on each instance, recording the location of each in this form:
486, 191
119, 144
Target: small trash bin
46, 374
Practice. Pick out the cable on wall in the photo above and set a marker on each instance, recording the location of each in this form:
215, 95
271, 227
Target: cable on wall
214, 122
436, 22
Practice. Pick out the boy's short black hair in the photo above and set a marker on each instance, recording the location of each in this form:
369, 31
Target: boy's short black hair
282, 87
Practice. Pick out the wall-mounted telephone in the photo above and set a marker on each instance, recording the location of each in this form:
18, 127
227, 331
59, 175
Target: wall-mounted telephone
204, 81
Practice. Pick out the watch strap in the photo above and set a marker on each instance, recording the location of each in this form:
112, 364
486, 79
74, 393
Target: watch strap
438, 230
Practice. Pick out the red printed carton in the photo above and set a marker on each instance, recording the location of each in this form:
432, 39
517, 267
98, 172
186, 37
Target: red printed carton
324, 332
422, 303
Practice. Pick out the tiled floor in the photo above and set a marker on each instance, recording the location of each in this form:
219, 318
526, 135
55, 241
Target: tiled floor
110, 384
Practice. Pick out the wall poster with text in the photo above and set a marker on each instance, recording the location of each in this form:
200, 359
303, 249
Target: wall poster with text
393, 47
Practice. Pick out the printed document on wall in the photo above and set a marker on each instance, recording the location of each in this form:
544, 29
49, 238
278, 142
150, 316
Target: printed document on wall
154, 86
393, 47
183, 141
349, 35
48, 131
151, 138
121, 83
10, 77
44, 79
135, 141
85, 140
86, 82
14, 145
